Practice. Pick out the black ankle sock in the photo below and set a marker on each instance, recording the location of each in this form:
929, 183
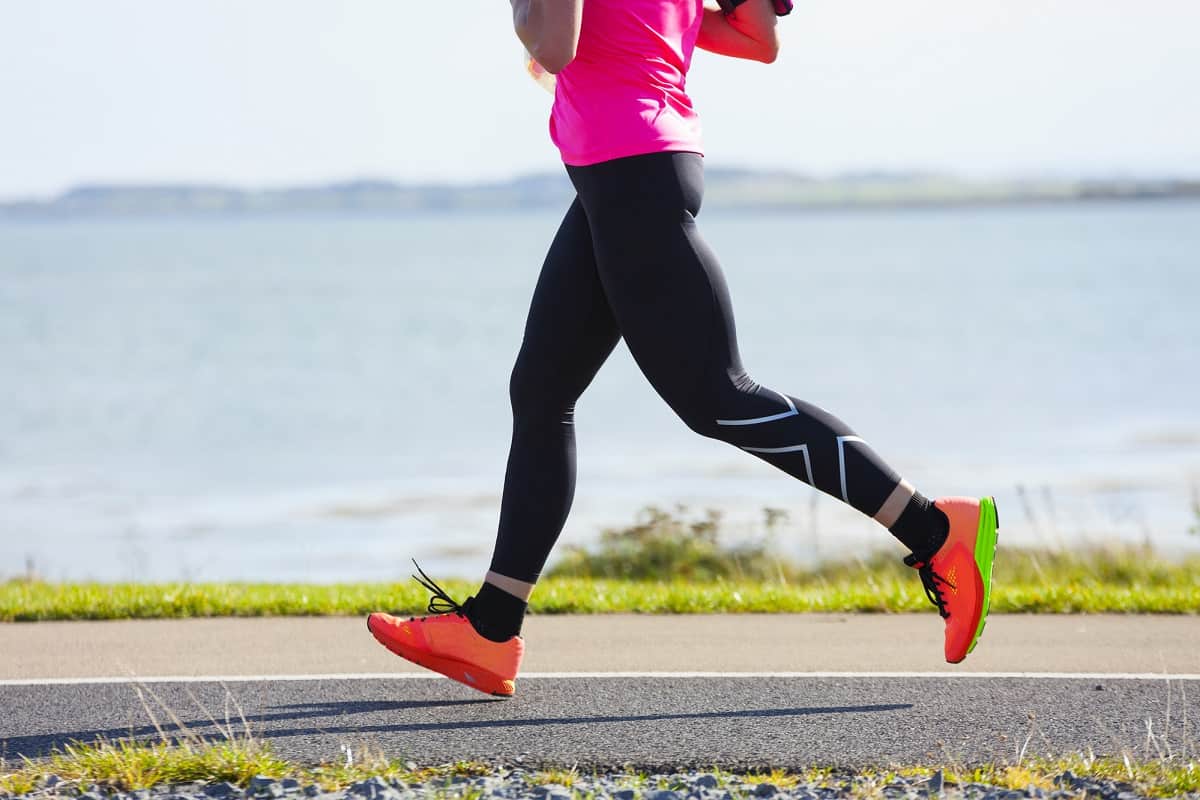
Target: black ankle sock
922, 526
496, 614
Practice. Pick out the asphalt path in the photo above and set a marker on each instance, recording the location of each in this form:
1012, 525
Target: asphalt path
657, 713
648, 722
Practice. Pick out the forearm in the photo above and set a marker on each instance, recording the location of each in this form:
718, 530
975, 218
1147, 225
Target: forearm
549, 29
749, 32
526, 22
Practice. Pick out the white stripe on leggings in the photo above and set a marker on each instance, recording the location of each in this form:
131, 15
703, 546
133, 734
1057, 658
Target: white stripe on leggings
792, 412
841, 441
796, 448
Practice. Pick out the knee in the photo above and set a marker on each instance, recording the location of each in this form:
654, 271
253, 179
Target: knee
703, 411
522, 391
700, 415
533, 397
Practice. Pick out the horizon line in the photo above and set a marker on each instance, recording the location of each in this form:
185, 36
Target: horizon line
1015, 177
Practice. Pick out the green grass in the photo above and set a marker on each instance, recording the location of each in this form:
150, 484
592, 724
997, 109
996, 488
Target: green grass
127, 766
699, 575
678, 544
1025, 582
1155, 777
687, 546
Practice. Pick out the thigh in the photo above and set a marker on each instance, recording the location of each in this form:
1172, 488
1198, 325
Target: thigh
664, 283
570, 330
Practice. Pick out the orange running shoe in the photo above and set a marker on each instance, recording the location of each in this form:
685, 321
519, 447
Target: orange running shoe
958, 577
447, 643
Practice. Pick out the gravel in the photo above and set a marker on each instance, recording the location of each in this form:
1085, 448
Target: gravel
520, 783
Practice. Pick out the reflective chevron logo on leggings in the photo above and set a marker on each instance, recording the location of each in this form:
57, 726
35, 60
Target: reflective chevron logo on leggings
791, 412
796, 448
841, 440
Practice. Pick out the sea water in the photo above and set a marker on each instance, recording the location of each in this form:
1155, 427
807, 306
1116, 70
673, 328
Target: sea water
324, 398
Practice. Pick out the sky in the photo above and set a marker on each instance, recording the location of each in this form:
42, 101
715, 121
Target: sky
284, 92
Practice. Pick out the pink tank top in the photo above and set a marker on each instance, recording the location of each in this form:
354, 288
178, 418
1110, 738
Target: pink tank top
624, 94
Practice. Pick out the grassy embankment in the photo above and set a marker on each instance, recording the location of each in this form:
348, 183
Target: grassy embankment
621, 575
128, 766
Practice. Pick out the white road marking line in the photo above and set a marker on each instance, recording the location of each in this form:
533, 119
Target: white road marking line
388, 676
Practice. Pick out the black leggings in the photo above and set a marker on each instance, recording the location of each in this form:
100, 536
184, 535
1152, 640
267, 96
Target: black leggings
629, 261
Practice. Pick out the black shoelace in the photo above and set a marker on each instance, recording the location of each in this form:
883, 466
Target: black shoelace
932, 581
440, 602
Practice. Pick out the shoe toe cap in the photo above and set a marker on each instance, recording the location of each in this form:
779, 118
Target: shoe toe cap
395, 629
379, 621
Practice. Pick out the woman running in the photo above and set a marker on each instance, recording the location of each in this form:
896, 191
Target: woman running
628, 261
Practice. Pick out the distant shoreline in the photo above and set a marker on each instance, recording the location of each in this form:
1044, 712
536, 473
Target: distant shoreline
726, 189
